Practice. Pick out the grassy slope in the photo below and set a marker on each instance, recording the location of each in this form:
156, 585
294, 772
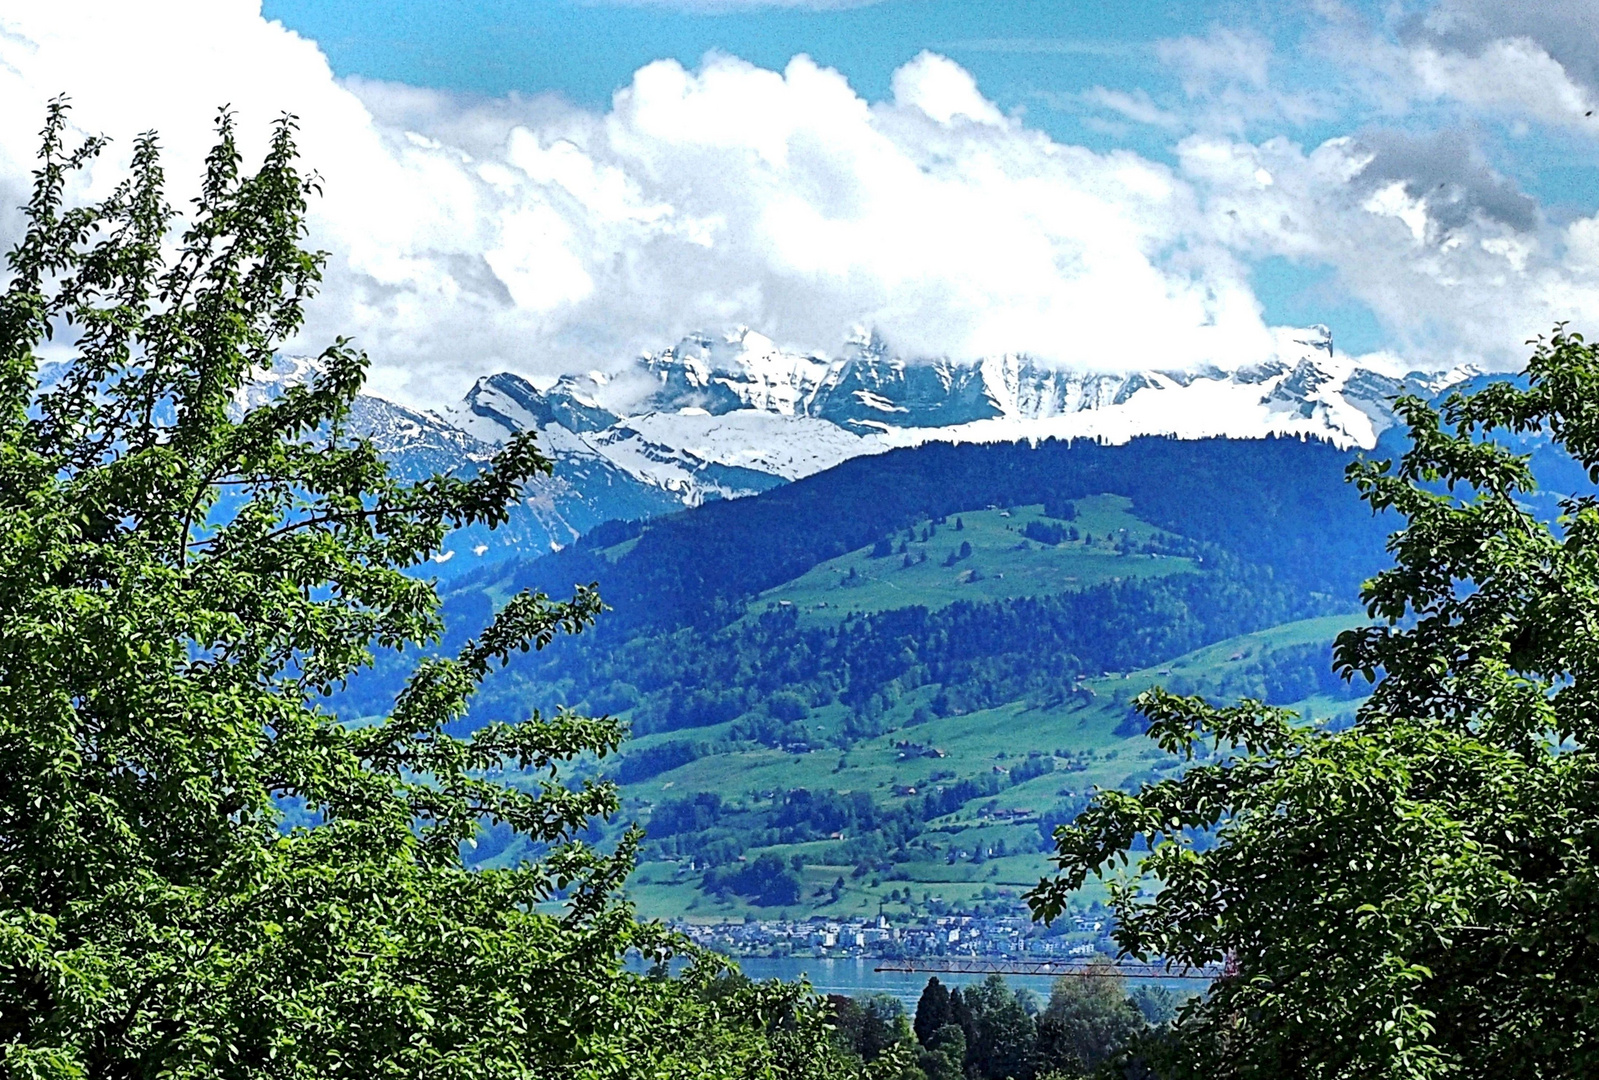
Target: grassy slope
1081, 733
1006, 564
1084, 730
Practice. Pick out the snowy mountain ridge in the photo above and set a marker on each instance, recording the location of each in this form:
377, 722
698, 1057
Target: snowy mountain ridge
733, 414
715, 410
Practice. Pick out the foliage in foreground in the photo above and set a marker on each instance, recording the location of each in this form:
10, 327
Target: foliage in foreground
1090, 1026
183, 581
1417, 896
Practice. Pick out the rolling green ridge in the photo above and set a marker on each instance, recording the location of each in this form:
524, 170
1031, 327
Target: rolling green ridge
924, 565
898, 727
1268, 502
883, 685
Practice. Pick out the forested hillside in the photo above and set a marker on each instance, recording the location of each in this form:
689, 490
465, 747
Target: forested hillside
880, 687
1273, 502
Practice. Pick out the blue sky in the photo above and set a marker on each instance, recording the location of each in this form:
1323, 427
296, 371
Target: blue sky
1034, 58
588, 50
550, 184
1037, 56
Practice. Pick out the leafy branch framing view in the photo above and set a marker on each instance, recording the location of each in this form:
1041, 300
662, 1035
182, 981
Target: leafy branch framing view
1413, 896
183, 581
205, 871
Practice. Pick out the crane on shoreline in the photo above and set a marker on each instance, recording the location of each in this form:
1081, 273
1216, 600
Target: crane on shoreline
978, 965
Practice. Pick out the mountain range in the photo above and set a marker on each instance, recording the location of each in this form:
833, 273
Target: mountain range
892, 635
730, 415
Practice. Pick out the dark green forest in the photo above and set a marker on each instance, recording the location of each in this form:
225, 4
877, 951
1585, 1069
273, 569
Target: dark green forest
1094, 1023
1272, 502
980, 654
691, 657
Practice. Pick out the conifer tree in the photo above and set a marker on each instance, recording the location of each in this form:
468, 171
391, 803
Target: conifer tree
932, 1010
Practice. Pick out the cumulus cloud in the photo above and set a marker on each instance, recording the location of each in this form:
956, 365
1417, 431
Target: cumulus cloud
1516, 75
1567, 30
468, 236
541, 237
1538, 60
1446, 172
1451, 272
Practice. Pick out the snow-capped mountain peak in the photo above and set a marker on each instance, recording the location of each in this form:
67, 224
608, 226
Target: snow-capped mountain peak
719, 416
727, 414
737, 370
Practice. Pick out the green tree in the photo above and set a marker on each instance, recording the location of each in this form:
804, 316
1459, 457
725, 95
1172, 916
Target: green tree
1416, 896
203, 871
1089, 1020
869, 1026
787, 706
932, 1009
944, 1057
1158, 1004
1001, 1041
960, 1014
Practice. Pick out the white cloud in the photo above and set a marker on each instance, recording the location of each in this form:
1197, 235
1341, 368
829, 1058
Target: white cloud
1222, 56
1509, 74
1229, 75
541, 237
1453, 280
943, 90
1507, 59
1136, 106
537, 236
1565, 31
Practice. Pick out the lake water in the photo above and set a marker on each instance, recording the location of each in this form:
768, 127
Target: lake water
855, 977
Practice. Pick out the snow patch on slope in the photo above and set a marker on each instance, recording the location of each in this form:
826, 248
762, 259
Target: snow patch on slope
786, 446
